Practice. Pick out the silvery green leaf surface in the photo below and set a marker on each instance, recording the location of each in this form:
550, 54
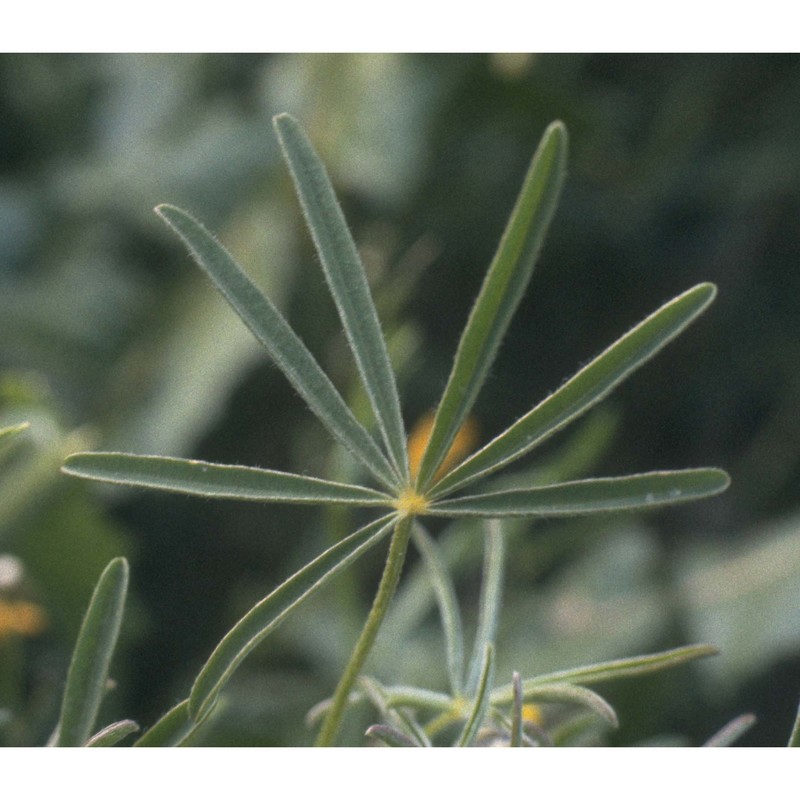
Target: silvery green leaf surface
317, 712
8, 434
390, 736
266, 615
113, 733
794, 738
571, 693
88, 670
415, 596
516, 711
490, 598
289, 353
173, 729
481, 701
347, 281
499, 297
414, 697
610, 670
588, 387
627, 493
415, 731
397, 718
734, 730
217, 480
448, 606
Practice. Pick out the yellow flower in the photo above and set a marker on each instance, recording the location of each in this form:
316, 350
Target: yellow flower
532, 713
463, 444
20, 618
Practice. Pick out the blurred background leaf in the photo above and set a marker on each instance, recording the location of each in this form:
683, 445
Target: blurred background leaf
683, 168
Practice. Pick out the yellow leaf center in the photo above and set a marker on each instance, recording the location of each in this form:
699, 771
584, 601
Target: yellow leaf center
410, 503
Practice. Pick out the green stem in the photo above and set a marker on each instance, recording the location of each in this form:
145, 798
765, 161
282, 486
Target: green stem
386, 589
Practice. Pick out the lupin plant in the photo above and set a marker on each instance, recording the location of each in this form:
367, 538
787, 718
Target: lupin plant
435, 486
544, 710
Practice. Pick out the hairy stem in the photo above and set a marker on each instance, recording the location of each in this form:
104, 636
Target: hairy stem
383, 597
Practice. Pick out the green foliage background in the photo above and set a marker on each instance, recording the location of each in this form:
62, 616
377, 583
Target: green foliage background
683, 168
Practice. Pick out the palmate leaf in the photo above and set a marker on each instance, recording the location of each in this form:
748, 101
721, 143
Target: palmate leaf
593, 495
587, 388
217, 480
347, 281
88, 670
502, 290
499, 298
265, 616
289, 353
